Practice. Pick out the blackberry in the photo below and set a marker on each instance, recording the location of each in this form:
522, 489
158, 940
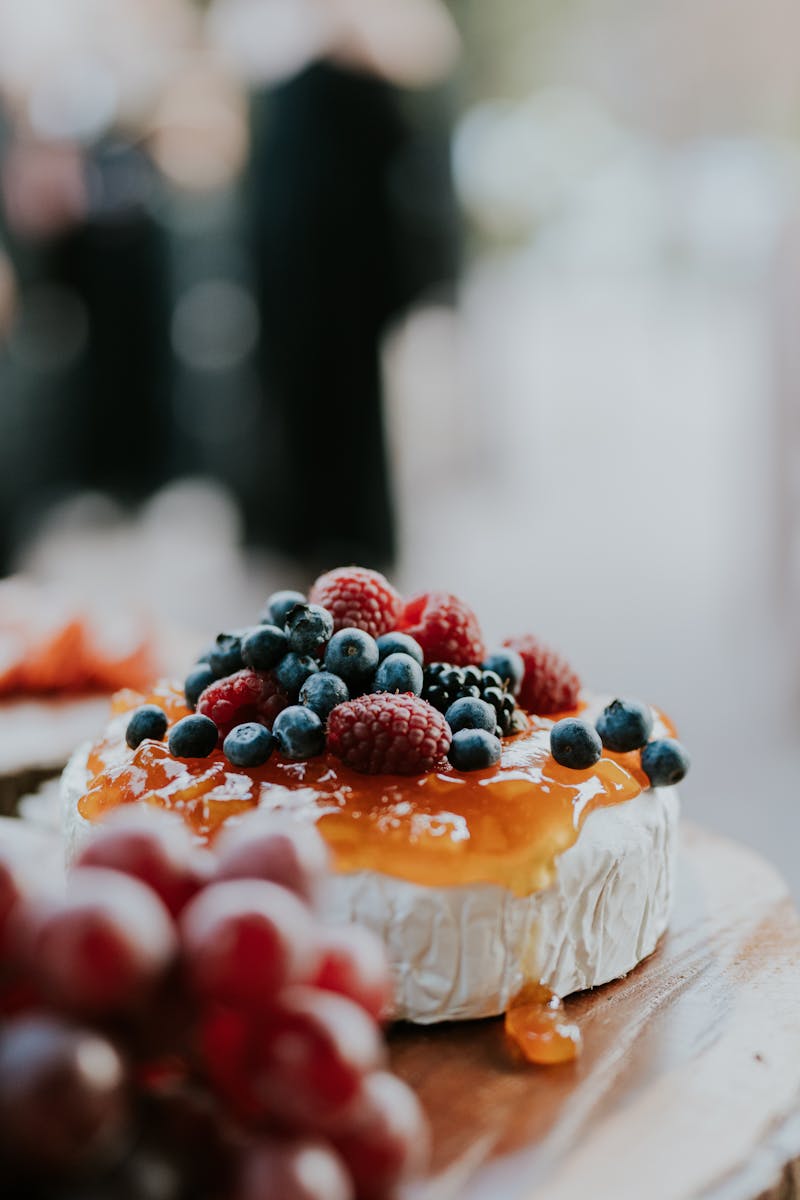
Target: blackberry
443, 684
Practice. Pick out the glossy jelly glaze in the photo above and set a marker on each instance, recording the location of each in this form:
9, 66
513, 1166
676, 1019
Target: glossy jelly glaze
506, 825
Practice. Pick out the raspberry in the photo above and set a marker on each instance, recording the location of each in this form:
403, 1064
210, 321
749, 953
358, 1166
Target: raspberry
387, 734
358, 598
445, 627
549, 685
245, 696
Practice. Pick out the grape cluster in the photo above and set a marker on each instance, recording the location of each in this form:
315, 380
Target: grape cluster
179, 1024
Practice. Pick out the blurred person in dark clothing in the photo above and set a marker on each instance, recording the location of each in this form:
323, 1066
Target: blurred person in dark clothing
352, 222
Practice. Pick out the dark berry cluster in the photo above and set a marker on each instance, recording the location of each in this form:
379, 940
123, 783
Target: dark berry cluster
443, 684
623, 726
274, 687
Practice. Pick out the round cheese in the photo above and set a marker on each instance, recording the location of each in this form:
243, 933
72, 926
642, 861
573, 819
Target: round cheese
465, 951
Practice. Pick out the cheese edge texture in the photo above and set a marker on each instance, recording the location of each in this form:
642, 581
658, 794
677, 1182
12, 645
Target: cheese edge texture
462, 952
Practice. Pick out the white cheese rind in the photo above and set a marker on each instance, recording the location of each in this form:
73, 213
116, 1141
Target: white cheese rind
464, 951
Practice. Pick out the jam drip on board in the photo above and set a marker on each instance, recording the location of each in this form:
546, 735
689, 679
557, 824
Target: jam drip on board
505, 825
537, 1025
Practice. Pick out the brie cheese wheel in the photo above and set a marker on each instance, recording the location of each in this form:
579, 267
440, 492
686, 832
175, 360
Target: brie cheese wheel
464, 951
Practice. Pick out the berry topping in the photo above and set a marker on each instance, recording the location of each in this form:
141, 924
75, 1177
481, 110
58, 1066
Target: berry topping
471, 713
293, 670
625, 725
193, 737
322, 692
308, 627
508, 665
398, 673
198, 679
279, 605
575, 744
264, 647
474, 750
149, 721
248, 745
399, 643
386, 733
299, 732
664, 762
444, 684
549, 685
358, 598
225, 656
353, 655
245, 696
445, 627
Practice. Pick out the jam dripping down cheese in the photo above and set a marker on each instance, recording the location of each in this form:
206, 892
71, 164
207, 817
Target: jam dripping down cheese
506, 825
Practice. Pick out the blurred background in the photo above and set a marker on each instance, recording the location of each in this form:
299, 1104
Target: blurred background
500, 298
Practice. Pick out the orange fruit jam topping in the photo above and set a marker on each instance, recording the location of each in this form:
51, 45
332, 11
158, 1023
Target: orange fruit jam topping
505, 825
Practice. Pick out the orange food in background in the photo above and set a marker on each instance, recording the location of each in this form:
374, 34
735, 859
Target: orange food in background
48, 646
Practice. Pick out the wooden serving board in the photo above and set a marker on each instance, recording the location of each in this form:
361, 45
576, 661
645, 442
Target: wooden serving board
689, 1082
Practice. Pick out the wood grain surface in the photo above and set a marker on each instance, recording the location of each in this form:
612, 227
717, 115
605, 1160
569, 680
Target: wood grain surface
689, 1084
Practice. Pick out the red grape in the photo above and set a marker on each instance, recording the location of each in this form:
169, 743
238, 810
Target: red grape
153, 846
11, 889
244, 939
103, 946
354, 964
388, 1141
62, 1095
311, 1056
277, 848
305, 1170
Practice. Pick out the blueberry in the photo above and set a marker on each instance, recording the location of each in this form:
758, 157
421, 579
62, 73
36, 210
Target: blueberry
439, 697
469, 713
474, 750
352, 654
225, 655
495, 696
472, 677
575, 744
293, 670
625, 725
197, 681
509, 666
299, 732
398, 673
264, 647
309, 627
664, 761
248, 745
322, 692
451, 678
278, 607
399, 643
193, 737
149, 721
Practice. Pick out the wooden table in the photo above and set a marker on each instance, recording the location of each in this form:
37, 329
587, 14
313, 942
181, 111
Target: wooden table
689, 1083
